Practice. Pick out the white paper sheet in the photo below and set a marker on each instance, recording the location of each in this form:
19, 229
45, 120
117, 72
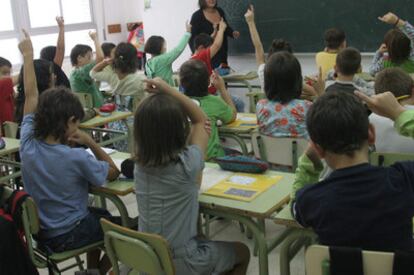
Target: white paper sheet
212, 176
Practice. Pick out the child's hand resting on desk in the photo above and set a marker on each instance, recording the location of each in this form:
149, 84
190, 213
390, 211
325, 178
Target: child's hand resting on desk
384, 104
25, 45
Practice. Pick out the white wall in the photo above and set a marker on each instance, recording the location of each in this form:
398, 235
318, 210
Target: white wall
167, 18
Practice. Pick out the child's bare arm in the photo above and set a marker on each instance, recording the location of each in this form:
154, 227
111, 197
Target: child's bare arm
218, 41
29, 79
60, 47
254, 34
99, 53
219, 84
199, 135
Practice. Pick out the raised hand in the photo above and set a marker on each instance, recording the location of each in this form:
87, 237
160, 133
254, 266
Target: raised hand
384, 104
389, 18
60, 21
25, 45
249, 15
188, 26
222, 25
156, 85
93, 35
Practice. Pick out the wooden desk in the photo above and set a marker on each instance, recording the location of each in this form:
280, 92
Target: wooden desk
242, 78
12, 146
262, 207
98, 121
240, 129
102, 120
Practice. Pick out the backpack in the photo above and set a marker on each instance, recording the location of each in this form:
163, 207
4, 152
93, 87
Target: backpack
14, 257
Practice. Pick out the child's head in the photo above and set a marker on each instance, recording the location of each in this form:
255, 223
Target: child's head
279, 45
45, 79
337, 123
282, 77
202, 41
58, 114
348, 62
81, 55
155, 45
125, 59
335, 39
203, 4
5, 67
398, 45
394, 80
108, 49
161, 129
48, 53
194, 78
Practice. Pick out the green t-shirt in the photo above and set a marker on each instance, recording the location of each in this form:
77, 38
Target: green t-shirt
81, 82
407, 66
216, 109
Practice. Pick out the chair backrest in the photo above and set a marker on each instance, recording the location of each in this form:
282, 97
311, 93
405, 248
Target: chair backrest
374, 262
10, 129
85, 99
278, 151
143, 252
387, 159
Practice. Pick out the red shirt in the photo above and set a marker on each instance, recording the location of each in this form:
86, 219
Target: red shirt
6, 100
204, 55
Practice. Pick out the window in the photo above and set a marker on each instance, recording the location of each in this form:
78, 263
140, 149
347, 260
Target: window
39, 18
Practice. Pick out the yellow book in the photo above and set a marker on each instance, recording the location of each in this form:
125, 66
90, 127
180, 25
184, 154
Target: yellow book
242, 186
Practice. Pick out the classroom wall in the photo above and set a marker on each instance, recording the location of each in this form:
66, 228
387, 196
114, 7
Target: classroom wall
167, 18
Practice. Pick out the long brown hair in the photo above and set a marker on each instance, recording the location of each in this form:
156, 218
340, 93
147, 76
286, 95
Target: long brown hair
161, 129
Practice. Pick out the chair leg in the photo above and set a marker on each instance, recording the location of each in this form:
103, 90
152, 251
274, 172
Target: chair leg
79, 262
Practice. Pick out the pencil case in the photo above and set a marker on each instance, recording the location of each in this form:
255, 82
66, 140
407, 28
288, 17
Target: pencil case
242, 164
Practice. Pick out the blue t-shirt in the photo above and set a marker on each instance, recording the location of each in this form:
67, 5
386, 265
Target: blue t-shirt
58, 177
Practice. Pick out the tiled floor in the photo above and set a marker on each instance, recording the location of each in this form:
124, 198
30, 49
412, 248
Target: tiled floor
228, 230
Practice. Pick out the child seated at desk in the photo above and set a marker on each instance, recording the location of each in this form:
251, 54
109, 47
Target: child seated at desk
397, 49
168, 177
401, 85
357, 205
58, 176
6, 91
343, 77
205, 49
160, 63
80, 80
194, 80
335, 41
282, 113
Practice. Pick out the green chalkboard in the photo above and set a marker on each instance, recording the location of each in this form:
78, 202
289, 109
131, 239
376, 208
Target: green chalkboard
303, 22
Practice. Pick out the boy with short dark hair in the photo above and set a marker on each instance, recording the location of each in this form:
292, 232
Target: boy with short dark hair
398, 82
358, 205
335, 41
343, 78
81, 59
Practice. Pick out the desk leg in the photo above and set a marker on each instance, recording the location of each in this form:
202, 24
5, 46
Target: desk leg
257, 233
238, 139
294, 241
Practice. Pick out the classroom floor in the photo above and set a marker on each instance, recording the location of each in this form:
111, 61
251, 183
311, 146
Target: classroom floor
228, 230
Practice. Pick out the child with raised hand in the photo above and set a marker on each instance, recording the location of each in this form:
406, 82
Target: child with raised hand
194, 80
56, 55
278, 45
397, 49
167, 177
58, 176
160, 64
81, 59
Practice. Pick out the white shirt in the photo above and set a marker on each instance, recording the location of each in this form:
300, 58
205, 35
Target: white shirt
387, 138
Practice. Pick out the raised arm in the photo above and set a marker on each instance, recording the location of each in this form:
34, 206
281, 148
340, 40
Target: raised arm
254, 35
199, 135
219, 84
29, 78
99, 53
172, 55
218, 41
99, 74
60, 46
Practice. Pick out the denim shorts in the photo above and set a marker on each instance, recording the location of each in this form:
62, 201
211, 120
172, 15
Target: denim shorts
88, 231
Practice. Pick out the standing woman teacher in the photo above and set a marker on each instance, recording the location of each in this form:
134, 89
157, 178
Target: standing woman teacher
206, 20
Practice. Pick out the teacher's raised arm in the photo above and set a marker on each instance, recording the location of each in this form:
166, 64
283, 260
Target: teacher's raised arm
206, 20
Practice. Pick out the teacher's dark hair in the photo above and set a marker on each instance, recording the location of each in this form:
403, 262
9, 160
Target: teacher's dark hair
203, 4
